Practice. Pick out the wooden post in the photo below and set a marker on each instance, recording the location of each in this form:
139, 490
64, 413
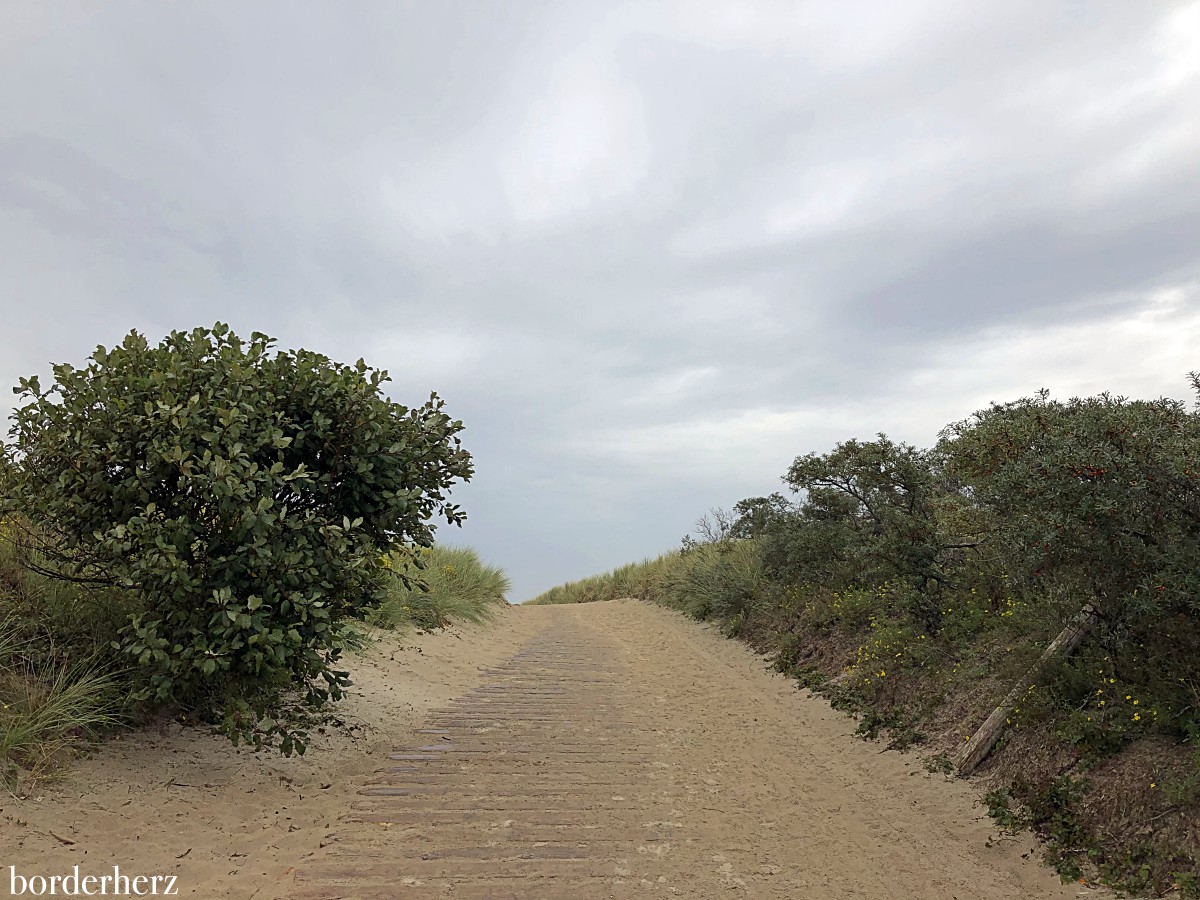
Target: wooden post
981, 743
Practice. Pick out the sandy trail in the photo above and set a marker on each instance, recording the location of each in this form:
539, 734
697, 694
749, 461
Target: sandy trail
599, 751
229, 822
624, 751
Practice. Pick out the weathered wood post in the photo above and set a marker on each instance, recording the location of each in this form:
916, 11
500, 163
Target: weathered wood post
981, 743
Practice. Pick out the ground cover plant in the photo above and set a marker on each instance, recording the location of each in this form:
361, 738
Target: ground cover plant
204, 520
916, 587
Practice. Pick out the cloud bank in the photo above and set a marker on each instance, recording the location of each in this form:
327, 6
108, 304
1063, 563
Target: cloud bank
649, 252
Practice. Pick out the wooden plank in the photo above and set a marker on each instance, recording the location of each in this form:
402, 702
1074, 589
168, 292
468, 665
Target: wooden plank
981, 743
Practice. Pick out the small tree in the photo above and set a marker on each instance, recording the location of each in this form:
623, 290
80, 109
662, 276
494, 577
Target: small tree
870, 514
246, 494
756, 516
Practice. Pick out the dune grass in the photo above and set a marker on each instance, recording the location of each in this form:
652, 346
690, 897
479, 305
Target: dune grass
48, 712
61, 683
718, 580
452, 584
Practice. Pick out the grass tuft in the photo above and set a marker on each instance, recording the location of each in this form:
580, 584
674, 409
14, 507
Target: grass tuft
452, 584
48, 714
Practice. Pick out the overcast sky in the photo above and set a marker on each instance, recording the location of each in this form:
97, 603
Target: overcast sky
648, 252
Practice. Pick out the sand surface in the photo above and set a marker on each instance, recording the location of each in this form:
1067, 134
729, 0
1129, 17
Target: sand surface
229, 822
596, 751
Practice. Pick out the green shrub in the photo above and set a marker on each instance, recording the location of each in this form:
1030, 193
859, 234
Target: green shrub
871, 513
246, 494
999, 803
1099, 499
1102, 490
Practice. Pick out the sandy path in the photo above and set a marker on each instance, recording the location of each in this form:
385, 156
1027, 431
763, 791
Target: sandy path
228, 822
623, 751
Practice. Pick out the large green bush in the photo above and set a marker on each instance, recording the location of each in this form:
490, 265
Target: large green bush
871, 512
245, 493
1101, 490
1100, 497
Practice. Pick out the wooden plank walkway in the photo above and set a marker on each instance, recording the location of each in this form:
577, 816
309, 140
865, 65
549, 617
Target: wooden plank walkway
544, 782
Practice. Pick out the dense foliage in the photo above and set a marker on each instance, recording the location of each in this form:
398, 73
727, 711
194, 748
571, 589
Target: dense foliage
245, 495
1103, 492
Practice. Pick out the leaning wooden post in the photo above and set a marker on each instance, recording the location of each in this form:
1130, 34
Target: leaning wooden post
981, 743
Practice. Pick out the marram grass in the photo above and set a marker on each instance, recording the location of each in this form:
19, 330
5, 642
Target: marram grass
706, 580
454, 585
47, 714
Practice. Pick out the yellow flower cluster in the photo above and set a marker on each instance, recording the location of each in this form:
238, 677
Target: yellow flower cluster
872, 658
1133, 706
1011, 608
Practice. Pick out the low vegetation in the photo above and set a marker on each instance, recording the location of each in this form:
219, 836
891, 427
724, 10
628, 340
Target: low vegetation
452, 585
61, 682
198, 528
914, 588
